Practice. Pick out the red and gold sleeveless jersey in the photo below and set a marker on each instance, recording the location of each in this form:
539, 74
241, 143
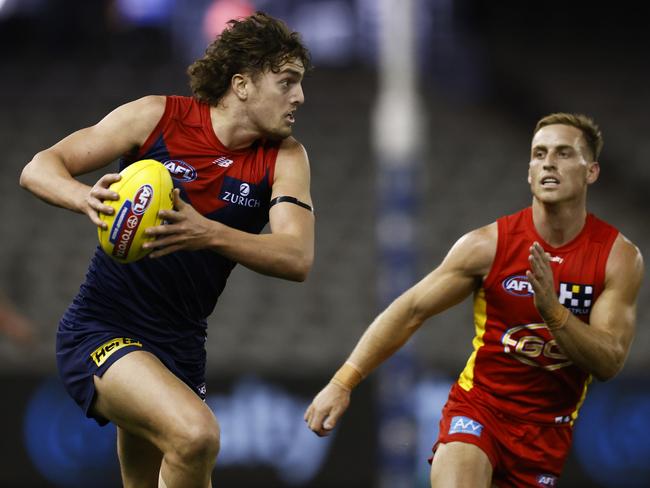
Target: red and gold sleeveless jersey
516, 365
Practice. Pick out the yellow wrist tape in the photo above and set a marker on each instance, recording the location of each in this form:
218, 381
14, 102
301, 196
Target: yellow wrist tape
555, 322
347, 377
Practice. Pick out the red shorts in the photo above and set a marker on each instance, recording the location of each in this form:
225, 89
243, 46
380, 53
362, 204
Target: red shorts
522, 454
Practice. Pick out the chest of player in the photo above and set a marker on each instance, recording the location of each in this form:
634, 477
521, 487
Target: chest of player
578, 278
213, 184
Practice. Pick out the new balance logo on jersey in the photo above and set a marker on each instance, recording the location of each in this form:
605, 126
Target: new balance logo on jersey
577, 298
223, 161
547, 480
465, 425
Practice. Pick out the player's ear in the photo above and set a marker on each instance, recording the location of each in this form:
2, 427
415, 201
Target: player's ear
593, 171
239, 85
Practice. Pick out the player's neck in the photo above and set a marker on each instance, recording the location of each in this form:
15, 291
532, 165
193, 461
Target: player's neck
230, 127
558, 224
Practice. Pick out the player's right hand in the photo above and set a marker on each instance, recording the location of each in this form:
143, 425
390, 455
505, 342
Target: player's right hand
327, 408
94, 202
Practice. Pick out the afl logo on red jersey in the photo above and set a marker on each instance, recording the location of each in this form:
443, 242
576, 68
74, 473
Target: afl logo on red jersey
518, 286
180, 170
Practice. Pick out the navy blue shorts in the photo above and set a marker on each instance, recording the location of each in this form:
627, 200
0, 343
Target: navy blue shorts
86, 349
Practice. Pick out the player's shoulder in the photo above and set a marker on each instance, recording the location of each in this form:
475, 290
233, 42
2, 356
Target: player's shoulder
144, 111
290, 145
149, 106
292, 152
482, 238
139, 117
624, 269
625, 258
488, 231
476, 249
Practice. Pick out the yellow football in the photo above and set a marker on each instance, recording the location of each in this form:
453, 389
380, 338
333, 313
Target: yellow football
145, 188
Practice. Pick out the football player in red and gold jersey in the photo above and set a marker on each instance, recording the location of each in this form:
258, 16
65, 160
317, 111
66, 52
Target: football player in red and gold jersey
555, 291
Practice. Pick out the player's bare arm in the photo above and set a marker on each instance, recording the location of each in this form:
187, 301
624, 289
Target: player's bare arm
457, 277
286, 252
600, 347
50, 175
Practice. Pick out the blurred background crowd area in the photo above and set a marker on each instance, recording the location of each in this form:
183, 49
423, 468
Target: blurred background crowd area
487, 71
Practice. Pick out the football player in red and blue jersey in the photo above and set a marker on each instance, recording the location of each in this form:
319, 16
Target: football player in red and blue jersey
555, 291
131, 346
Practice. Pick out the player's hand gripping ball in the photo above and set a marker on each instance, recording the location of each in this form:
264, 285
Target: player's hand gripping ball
145, 188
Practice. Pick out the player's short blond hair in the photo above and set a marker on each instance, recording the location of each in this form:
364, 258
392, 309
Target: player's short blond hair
590, 130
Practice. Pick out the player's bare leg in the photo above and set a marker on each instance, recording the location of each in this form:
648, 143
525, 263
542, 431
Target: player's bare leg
459, 465
144, 398
139, 460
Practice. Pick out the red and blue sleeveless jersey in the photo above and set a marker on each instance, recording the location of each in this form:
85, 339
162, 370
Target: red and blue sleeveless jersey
168, 298
517, 366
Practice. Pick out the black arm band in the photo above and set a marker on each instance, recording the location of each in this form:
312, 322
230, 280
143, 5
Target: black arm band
293, 200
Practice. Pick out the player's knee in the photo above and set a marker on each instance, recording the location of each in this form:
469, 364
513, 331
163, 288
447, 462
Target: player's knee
197, 442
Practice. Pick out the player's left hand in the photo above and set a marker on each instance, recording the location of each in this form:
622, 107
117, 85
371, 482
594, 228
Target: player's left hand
326, 409
185, 229
540, 276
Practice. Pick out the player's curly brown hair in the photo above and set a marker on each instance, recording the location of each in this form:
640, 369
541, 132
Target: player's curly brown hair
249, 46
590, 130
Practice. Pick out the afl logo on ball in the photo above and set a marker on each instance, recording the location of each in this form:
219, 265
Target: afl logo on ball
142, 199
518, 286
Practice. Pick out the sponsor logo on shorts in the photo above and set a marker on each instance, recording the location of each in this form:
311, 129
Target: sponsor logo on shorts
465, 425
103, 352
180, 170
577, 298
518, 285
546, 480
533, 344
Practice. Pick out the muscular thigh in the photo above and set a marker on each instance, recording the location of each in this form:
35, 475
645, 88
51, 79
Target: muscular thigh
139, 394
459, 465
